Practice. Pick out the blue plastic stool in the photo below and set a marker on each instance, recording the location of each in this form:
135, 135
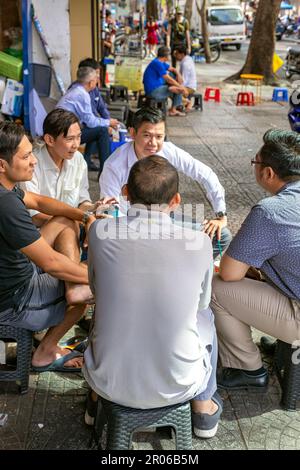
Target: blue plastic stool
280, 94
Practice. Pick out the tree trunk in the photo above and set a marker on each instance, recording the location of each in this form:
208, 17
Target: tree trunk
188, 10
262, 45
204, 30
152, 9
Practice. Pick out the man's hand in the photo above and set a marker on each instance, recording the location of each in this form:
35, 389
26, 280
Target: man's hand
214, 227
114, 123
104, 203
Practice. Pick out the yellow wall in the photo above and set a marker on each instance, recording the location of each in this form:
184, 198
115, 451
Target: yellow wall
81, 32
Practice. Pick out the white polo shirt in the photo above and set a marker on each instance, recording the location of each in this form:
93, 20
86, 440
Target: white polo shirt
188, 72
117, 167
69, 185
151, 280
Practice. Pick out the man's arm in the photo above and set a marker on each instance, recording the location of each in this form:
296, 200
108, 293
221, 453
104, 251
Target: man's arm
231, 269
177, 74
170, 80
50, 206
54, 263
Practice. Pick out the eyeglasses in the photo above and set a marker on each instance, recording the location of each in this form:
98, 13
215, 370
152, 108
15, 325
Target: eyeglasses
255, 162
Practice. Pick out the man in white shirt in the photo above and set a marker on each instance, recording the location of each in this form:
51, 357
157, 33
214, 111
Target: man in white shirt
61, 171
148, 135
152, 343
187, 71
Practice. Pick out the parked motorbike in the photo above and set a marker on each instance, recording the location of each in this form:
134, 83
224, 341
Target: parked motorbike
197, 49
294, 112
292, 62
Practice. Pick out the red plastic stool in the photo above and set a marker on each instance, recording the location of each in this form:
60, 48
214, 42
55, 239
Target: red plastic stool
245, 97
212, 94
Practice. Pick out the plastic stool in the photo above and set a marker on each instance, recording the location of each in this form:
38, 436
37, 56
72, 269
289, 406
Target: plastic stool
122, 422
257, 79
287, 368
212, 94
157, 104
280, 94
245, 98
198, 104
119, 92
24, 349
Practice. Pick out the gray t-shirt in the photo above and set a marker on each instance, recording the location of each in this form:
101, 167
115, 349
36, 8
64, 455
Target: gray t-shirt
269, 239
146, 349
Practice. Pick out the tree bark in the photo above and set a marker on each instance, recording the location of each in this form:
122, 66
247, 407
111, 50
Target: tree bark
262, 45
204, 30
188, 10
152, 9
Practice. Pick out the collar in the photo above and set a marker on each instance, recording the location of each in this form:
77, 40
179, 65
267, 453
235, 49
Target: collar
155, 216
48, 162
288, 185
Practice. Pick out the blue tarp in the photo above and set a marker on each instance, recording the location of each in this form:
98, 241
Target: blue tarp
285, 6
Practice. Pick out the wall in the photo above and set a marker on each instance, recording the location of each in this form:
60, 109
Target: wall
81, 32
54, 18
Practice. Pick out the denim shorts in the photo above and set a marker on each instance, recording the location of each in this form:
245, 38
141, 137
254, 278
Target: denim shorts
42, 306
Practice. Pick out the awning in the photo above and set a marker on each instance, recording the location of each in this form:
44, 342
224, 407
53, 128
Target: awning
285, 6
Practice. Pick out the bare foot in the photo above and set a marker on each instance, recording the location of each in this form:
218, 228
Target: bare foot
43, 358
79, 294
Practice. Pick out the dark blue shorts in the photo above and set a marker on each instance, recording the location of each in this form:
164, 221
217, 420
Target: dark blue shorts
42, 306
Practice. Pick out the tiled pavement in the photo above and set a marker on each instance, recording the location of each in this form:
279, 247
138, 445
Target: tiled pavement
50, 416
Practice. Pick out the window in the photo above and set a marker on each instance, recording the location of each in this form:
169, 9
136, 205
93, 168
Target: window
226, 16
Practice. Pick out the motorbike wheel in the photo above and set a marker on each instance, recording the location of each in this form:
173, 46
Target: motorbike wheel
215, 53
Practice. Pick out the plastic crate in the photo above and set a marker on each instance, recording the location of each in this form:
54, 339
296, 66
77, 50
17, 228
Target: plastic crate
10, 66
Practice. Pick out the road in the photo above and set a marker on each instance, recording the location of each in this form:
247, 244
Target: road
231, 61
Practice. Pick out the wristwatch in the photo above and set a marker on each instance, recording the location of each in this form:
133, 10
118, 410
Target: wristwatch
221, 214
86, 216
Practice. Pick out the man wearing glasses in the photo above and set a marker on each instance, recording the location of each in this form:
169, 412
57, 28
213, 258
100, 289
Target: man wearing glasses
268, 240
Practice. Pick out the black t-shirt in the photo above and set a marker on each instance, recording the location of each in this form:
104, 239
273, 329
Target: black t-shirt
16, 231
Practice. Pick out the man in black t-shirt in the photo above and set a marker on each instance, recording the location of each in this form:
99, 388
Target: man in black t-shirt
32, 294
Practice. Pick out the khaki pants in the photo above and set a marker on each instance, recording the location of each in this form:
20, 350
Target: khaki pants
239, 305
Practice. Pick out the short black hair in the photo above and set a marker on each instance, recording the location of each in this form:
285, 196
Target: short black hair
11, 135
181, 49
58, 122
152, 180
89, 62
281, 151
147, 114
163, 51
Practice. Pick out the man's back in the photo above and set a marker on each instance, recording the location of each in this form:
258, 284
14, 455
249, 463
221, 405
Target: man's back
153, 75
145, 349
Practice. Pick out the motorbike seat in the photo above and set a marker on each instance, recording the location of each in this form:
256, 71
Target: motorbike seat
295, 50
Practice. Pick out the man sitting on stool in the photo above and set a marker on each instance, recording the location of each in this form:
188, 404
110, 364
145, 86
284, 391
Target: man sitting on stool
159, 84
188, 73
152, 343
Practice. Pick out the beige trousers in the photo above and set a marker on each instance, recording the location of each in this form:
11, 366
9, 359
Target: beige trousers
239, 305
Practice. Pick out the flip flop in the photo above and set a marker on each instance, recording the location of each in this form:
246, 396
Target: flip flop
59, 364
73, 342
79, 346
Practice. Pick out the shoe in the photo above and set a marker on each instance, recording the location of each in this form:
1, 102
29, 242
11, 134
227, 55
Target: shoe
205, 425
91, 410
177, 113
236, 379
59, 364
268, 345
93, 167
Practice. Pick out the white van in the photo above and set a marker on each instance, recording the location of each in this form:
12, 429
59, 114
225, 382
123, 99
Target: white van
227, 23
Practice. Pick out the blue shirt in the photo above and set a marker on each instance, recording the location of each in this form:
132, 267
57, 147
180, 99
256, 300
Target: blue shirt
99, 106
78, 101
269, 239
153, 75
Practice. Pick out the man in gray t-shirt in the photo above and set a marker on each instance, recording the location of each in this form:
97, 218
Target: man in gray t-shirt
152, 345
269, 240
